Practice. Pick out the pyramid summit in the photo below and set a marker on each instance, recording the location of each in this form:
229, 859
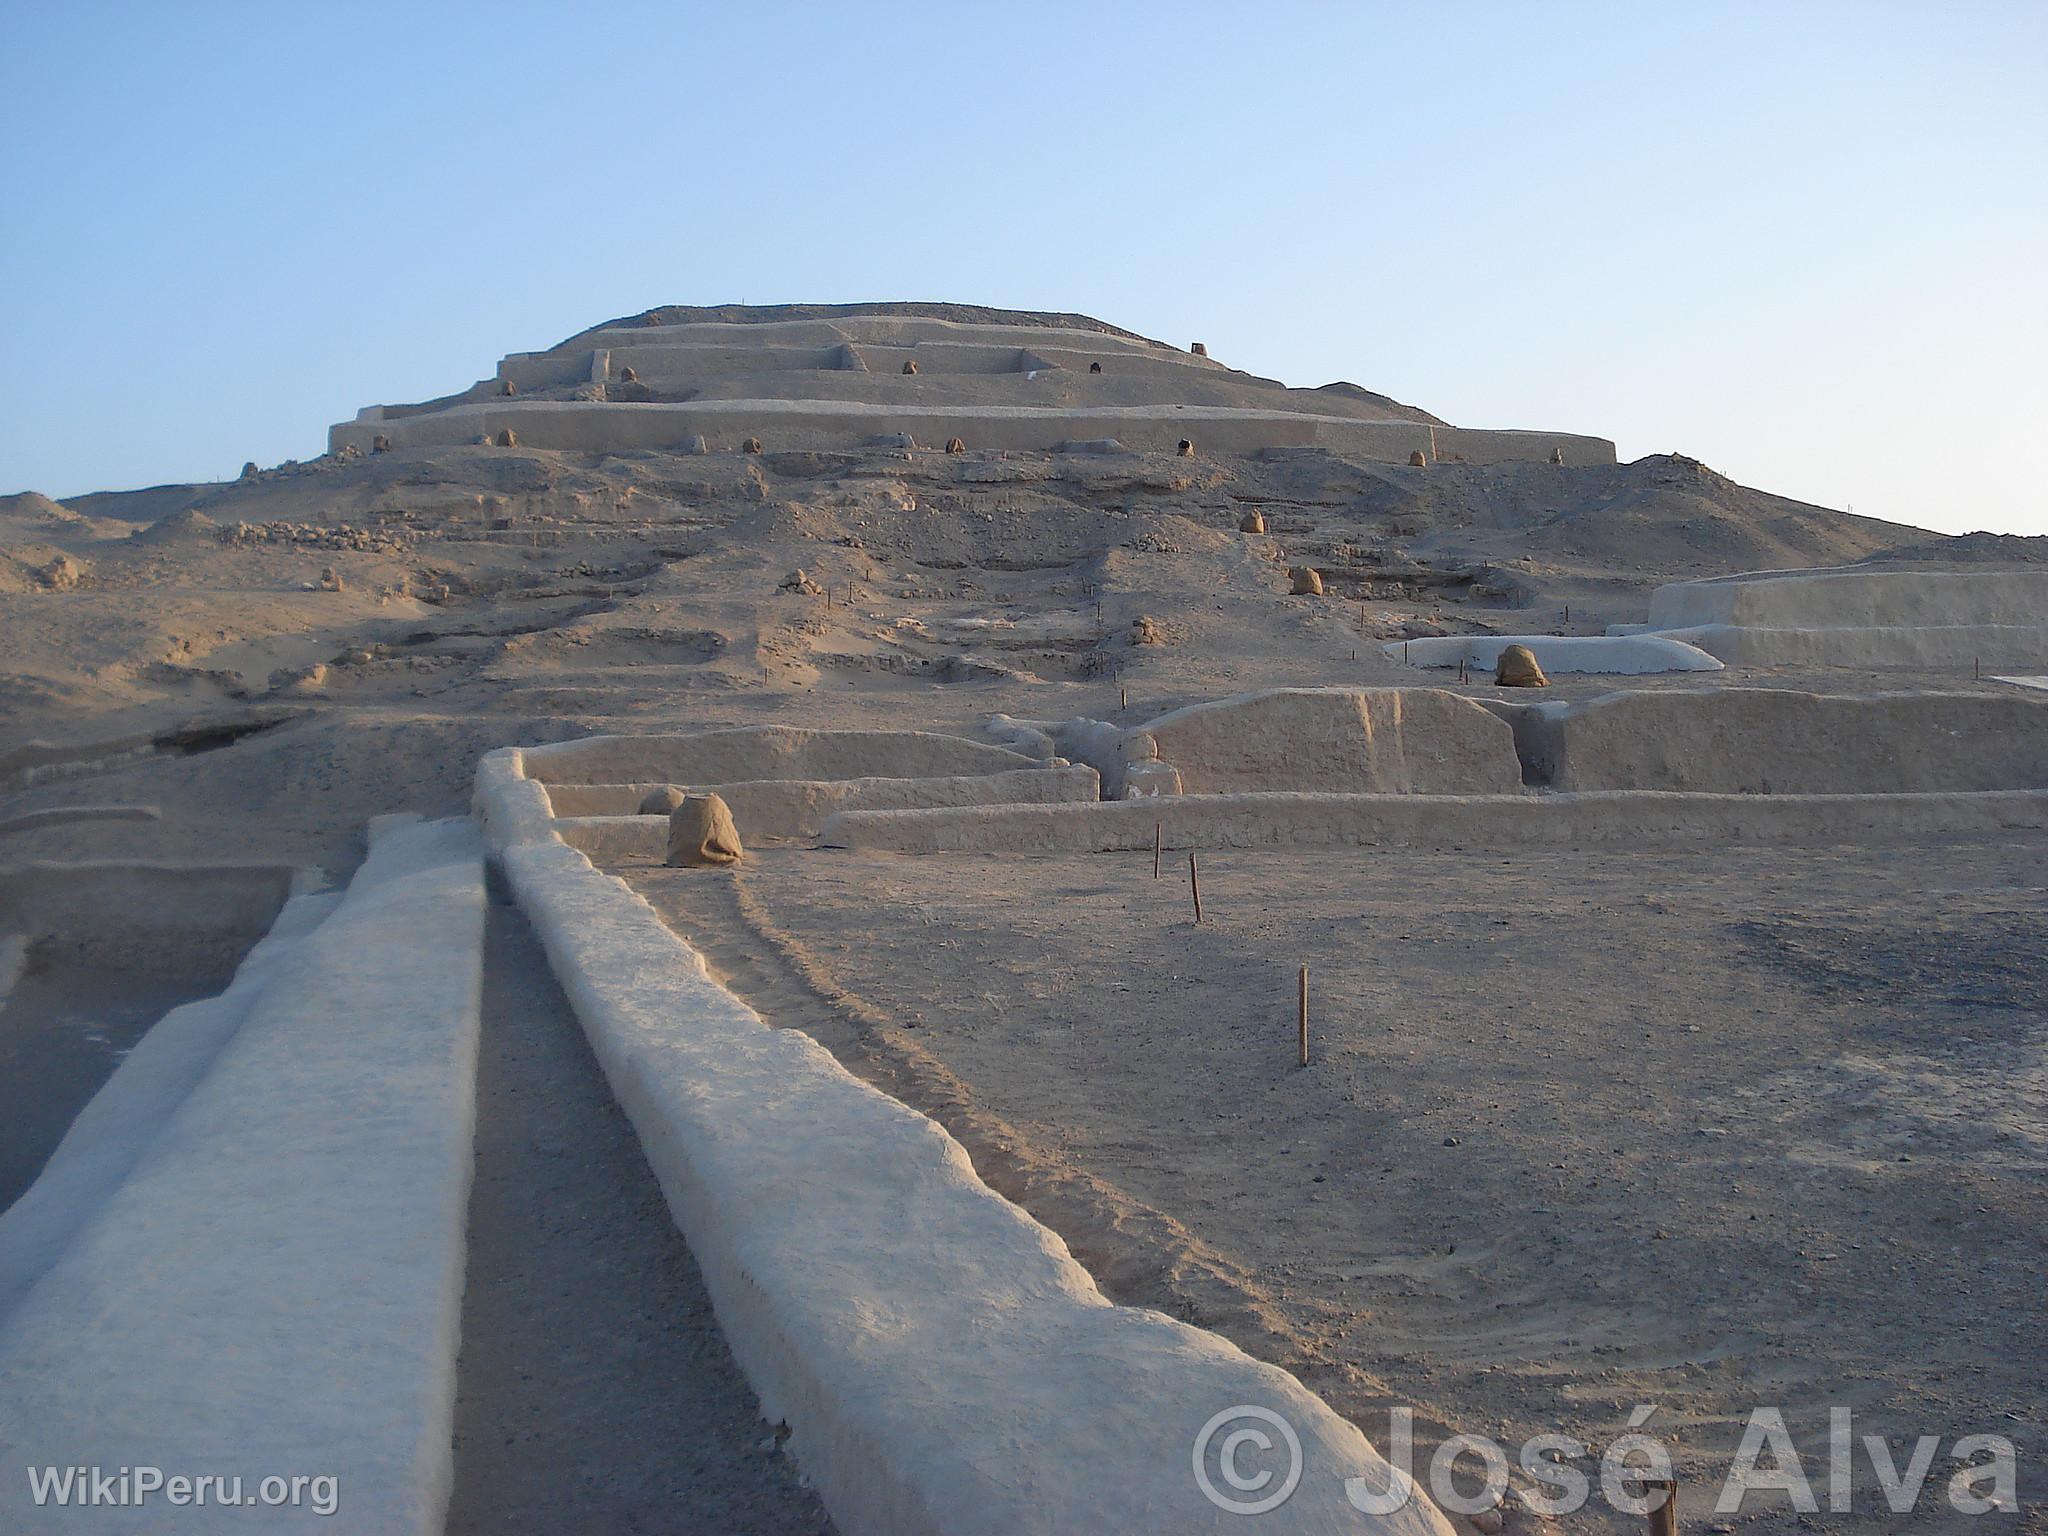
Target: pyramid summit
841, 376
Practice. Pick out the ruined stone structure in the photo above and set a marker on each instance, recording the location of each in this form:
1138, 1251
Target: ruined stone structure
811, 377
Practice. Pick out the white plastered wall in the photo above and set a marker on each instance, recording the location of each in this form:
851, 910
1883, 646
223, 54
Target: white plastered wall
270, 1281
1562, 654
942, 1361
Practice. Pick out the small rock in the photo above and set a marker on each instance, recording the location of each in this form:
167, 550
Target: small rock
1489, 1521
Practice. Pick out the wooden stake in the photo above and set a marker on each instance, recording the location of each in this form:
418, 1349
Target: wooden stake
1664, 1518
1567, 613
1977, 666
1304, 1015
1123, 699
1195, 883
1461, 669
1155, 850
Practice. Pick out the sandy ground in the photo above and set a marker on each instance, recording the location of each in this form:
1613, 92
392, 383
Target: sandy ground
1583, 1129
595, 1390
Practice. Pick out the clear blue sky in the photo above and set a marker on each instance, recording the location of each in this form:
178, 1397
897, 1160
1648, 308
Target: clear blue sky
1805, 242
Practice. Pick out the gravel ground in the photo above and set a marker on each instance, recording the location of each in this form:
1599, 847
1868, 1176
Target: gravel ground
596, 1391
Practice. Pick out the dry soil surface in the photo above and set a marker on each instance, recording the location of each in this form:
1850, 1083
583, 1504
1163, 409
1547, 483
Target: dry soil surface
595, 1390
1582, 1130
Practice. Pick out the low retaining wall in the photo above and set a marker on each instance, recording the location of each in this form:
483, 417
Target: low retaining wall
943, 1363
271, 1278
66, 815
146, 916
1364, 740
1773, 741
603, 820
1434, 821
1933, 647
1339, 740
1633, 654
1857, 599
1351, 740
766, 752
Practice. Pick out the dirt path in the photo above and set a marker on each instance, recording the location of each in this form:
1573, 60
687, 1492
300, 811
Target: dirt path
596, 1392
